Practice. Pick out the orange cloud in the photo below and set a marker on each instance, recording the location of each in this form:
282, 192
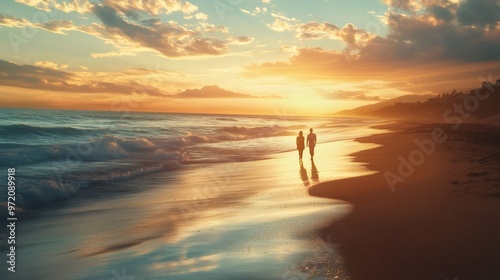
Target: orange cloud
408, 75
50, 64
79, 6
56, 26
48, 76
152, 7
351, 95
211, 92
11, 21
437, 48
350, 34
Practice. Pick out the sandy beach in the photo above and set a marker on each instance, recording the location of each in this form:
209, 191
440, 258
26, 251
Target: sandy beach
439, 220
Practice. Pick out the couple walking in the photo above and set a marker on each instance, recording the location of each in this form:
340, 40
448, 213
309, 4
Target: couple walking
311, 143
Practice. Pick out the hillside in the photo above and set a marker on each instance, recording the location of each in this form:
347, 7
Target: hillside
368, 109
480, 103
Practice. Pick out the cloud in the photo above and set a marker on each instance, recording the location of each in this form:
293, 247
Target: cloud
210, 28
349, 34
129, 8
351, 95
429, 45
409, 75
201, 16
211, 92
467, 12
151, 7
247, 12
118, 53
406, 5
198, 16
242, 40
127, 27
282, 17
11, 21
280, 25
79, 6
257, 10
48, 76
55, 26
479, 13
315, 30
422, 38
441, 13
170, 39
58, 26
352, 36
49, 64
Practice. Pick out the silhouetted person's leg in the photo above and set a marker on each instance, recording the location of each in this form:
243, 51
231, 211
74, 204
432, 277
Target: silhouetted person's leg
311, 151
300, 153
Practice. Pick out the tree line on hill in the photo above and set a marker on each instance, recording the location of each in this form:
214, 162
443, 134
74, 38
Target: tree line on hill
479, 103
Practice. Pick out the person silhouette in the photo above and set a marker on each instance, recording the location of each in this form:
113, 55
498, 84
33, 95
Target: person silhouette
300, 144
311, 142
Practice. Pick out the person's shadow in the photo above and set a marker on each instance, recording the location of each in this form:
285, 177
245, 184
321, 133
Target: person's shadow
314, 172
303, 174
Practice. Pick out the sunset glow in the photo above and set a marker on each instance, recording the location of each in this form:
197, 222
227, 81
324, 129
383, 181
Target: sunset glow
253, 57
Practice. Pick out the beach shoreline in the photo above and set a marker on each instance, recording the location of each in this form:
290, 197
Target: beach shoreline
250, 219
428, 213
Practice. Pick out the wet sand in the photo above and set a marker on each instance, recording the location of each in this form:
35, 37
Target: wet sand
440, 221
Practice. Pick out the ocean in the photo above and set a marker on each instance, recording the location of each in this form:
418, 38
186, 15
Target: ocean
60, 152
96, 192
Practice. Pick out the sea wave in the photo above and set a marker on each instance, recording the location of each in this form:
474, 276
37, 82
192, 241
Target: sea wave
103, 148
33, 193
110, 147
26, 130
226, 119
61, 170
257, 132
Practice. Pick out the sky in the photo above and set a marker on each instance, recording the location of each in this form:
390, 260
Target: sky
286, 57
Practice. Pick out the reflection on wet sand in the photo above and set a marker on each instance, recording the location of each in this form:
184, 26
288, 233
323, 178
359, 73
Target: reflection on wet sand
185, 264
305, 177
303, 174
314, 172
